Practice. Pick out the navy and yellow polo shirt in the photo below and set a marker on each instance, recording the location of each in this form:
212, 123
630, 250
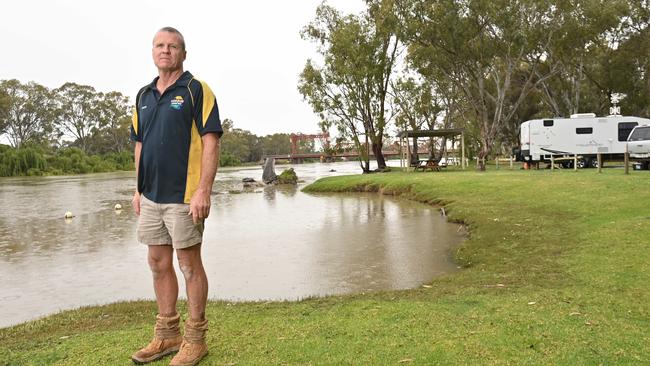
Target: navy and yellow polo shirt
170, 127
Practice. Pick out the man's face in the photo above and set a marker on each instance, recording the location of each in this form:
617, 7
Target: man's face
168, 53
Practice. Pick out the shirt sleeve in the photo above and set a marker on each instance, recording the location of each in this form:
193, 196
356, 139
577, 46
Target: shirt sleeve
207, 112
135, 135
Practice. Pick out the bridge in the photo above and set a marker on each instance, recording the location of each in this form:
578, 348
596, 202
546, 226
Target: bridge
323, 138
298, 158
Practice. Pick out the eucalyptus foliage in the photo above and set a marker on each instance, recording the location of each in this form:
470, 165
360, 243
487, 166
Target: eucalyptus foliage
350, 90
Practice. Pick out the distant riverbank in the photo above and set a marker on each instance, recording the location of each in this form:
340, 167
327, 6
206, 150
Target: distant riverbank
42, 161
555, 272
38, 160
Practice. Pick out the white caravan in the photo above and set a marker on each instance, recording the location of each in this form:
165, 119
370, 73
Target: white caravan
583, 134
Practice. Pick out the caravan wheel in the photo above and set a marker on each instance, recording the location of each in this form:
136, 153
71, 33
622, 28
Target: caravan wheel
593, 163
582, 164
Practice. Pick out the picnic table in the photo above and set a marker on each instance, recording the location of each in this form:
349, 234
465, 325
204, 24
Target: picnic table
428, 164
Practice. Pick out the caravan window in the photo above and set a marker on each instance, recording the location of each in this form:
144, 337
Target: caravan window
584, 130
624, 129
548, 123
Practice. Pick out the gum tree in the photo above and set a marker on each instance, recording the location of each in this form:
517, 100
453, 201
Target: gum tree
417, 107
77, 113
28, 114
484, 48
351, 89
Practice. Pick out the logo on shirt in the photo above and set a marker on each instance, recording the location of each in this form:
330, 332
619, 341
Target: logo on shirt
177, 103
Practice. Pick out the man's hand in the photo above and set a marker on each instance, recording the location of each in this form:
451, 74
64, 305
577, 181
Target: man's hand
200, 205
136, 202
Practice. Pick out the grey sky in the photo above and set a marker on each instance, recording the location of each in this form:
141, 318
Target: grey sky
249, 52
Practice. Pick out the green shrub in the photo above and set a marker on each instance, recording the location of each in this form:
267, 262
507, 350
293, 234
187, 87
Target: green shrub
227, 159
288, 177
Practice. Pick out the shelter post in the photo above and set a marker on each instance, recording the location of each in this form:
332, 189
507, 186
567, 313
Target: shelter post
462, 148
408, 153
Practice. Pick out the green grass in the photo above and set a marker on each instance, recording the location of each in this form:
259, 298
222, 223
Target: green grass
556, 272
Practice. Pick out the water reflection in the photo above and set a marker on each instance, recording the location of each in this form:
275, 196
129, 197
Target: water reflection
275, 243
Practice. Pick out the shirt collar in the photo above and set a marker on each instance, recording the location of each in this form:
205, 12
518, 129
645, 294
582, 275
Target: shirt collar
183, 80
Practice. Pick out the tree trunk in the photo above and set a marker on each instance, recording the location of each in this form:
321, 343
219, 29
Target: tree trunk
482, 156
443, 148
365, 166
414, 156
379, 155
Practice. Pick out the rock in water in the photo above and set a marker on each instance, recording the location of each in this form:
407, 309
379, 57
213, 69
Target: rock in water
268, 175
288, 177
251, 183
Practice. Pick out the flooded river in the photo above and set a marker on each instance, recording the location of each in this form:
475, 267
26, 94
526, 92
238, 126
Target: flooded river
271, 243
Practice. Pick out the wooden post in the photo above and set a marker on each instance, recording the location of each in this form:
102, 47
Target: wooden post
462, 146
627, 160
496, 162
575, 162
408, 153
401, 154
599, 157
512, 162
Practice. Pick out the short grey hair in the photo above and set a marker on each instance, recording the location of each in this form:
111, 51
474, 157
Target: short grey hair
175, 31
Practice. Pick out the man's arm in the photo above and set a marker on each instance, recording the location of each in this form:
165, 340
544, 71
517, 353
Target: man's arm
136, 196
200, 202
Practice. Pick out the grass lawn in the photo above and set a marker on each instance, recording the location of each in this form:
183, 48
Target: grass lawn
556, 272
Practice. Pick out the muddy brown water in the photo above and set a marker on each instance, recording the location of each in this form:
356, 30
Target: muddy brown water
271, 243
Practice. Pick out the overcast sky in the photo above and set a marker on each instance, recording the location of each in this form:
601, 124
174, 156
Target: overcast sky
249, 52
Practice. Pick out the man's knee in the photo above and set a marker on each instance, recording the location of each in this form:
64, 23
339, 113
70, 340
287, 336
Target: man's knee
189, 260
160, 261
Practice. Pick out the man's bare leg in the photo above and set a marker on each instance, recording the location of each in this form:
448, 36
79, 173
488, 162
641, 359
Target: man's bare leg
167, 335
165, 283
194, 346
196, 281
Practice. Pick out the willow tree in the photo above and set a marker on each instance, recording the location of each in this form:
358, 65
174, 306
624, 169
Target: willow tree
484, 48
350, 90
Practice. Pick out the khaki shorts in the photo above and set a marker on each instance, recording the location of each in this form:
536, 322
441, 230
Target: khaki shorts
167, 224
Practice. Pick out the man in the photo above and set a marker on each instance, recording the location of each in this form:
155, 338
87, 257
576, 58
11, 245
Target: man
176, 129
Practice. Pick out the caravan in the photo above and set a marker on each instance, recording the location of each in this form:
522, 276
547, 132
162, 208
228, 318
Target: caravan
584, 135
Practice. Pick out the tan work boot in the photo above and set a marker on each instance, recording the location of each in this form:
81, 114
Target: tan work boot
167, 339
194, 347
